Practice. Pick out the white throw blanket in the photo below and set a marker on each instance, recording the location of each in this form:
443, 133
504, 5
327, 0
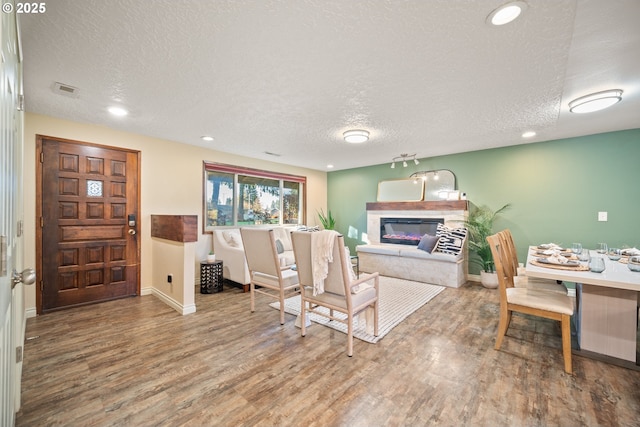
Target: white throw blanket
321, 256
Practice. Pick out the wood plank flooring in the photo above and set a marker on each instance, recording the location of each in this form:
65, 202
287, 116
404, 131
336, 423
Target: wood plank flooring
136, 362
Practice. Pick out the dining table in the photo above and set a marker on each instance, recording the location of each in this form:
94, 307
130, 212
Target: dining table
606, 315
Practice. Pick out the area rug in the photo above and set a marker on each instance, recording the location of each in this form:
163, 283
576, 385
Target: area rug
398, 299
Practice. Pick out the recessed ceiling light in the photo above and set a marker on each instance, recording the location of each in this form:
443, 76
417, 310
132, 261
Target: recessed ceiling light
529, 134
506, 13
596, 101
356, 136
329, 166
206, 138
118, 111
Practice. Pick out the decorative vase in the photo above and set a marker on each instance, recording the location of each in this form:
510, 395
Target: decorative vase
211, 258
489, 280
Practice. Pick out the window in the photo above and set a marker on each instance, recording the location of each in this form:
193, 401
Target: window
235, 196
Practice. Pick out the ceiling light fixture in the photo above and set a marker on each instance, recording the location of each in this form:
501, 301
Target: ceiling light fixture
404, 158
206, 138
118, 111
595, 101
529, 134
506, 13
356, 136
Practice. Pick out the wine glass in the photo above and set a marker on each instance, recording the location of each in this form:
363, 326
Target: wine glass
576, 248
614, 254
601, 248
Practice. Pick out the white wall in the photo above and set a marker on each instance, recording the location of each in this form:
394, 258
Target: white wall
171, 183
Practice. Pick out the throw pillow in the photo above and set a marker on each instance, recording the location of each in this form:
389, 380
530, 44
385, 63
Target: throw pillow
451, 240
428, 243
279, 246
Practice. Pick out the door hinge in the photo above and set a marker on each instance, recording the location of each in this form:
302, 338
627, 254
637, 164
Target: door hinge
19, 354
19, 228
42, 157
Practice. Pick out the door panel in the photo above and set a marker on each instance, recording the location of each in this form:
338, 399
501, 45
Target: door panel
12, 317
89, 250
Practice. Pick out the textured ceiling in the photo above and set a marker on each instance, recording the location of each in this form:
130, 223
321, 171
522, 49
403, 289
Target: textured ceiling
288, 77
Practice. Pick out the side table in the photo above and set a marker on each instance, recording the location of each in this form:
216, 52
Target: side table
210, 277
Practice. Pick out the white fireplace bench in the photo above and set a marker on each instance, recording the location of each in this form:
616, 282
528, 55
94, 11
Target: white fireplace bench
410, 263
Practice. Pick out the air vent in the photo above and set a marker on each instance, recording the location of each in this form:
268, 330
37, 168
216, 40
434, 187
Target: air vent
66, 90
272, 154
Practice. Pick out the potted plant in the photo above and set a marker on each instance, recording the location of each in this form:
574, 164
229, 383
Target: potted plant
480, 225
211, 257
328, 221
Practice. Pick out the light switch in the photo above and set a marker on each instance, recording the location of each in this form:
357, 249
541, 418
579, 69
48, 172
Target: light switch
602, 216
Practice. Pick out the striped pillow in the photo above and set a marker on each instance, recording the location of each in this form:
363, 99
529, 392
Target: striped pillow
451, 239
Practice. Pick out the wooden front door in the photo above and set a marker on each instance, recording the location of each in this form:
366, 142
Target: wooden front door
89, 220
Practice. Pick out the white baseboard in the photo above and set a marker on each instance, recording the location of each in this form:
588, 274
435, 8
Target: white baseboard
182, 309
30, 312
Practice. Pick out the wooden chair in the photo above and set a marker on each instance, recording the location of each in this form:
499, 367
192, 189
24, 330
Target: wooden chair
340, 286
520, 279
536, 302
264, 268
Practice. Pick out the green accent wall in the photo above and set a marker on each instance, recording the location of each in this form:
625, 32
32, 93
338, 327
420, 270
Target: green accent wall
556, 189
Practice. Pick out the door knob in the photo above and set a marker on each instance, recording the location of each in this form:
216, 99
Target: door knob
28, 277
132, 231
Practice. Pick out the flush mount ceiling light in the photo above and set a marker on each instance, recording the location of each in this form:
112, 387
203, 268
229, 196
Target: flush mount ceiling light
206, 138
356, 136
529, 134
595, 101
506, 13
404, 158
118, 111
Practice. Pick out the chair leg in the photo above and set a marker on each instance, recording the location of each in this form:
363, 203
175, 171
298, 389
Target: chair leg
565, 324
503, 325
303, 318
281, 306
252, 292
375, 318
349, 336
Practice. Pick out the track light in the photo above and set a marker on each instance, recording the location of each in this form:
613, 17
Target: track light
404, 157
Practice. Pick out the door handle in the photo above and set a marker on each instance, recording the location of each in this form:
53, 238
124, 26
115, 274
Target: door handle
132, 231
28, 277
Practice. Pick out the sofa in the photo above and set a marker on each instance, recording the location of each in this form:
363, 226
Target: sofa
228, 247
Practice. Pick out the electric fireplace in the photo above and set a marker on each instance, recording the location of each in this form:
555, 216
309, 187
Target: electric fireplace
407, 231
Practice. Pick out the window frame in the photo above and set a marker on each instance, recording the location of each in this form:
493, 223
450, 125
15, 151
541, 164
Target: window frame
237, 171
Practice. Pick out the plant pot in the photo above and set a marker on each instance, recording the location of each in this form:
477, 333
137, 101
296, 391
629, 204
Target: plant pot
211, 258
489, 280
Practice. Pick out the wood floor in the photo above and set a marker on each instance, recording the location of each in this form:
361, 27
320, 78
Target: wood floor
136, 362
